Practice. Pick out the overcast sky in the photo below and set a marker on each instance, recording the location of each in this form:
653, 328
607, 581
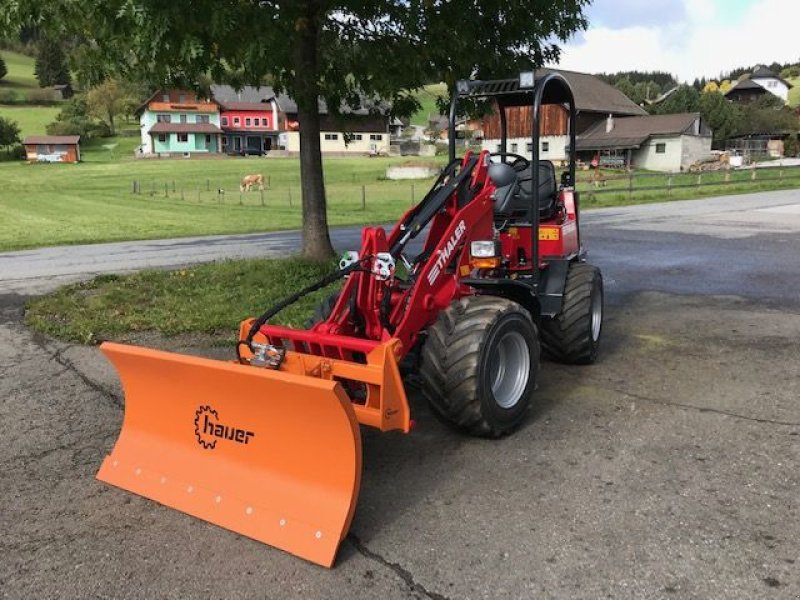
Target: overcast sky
688, 38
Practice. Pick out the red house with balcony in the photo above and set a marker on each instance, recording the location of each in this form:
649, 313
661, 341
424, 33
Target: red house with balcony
249, 119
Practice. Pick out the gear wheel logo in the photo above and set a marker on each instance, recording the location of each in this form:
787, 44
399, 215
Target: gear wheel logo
205, 418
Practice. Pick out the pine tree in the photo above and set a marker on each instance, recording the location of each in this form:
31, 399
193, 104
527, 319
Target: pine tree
3, 69
51, 67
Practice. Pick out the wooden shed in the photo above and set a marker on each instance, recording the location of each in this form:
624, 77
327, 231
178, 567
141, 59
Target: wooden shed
52, 148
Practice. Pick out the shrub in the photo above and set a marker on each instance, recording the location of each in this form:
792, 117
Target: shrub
3, 68
42, 96
9, 97
84, 127
15, 152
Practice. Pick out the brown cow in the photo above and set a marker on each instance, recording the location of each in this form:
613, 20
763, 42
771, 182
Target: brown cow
249, 181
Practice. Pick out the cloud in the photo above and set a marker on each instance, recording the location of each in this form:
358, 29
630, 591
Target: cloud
709, 37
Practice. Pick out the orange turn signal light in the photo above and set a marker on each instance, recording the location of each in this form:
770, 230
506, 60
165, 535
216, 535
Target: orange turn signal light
492, 262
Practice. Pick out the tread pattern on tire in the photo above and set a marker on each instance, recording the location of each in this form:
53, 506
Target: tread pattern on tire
450, 362
567, 337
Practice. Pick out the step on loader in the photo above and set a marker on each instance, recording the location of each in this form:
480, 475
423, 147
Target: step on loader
268, 445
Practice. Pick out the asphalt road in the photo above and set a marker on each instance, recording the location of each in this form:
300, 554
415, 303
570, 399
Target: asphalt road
669, 469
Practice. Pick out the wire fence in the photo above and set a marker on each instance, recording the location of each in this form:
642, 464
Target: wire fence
633, 184
363, 196
283, 195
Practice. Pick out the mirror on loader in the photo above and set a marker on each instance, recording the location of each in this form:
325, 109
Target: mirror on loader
269, 446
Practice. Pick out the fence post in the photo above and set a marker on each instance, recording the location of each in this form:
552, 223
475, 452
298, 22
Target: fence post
290, 196
669, 185
198, 194
208, 185
630, 184
269, 181
363, 198
166, 190
134, 187
240, 199
173, 186
780, 174
182, 197
262, 197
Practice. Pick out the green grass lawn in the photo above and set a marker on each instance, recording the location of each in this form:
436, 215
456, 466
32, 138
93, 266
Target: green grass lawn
20, 72
209, 299
55, 204
794, 92
427, 97
52, 204
31, 119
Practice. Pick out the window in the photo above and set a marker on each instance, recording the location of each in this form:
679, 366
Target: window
224, 121
208, 141
661, 148
202, 119
182, 99
163, 118
357, 137
529, 146
183, 118
183, 137
545, 146
236, 121
513, 148
162, 137
499, 148
331, 136
165, 98
247, 122
376, 137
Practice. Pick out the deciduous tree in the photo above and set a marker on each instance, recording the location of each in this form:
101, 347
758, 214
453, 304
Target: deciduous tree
108, 100
346, 52
9, 132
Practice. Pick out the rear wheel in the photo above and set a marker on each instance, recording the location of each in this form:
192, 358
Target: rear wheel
323, 310
479, 365
573, 335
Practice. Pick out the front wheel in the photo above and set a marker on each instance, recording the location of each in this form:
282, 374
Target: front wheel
573, 335
479, 365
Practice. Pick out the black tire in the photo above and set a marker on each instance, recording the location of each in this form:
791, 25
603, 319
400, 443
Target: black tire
463, 353
573, 335
323, 310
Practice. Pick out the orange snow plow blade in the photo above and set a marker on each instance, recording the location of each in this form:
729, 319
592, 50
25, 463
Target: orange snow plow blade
270, 454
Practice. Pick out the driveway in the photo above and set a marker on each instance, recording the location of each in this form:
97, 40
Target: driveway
671, 468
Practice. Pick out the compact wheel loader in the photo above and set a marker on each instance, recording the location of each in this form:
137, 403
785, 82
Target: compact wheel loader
268, 445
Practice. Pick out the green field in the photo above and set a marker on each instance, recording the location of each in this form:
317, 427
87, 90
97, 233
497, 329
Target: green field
427, 98
31, 119
20, 72
794, 92
52, 204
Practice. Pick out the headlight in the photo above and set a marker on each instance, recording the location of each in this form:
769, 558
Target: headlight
484, 249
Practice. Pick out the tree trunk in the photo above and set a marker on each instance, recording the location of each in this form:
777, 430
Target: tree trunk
316, 240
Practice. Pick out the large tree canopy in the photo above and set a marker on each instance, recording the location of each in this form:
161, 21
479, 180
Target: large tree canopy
341, 51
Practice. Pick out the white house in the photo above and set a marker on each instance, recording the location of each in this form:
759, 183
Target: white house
761, 81
771, 82
656, 142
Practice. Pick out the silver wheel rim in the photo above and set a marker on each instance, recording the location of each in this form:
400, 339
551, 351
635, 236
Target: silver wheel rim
509, 369
597, 316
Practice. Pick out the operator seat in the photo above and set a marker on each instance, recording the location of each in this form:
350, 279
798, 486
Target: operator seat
514, 194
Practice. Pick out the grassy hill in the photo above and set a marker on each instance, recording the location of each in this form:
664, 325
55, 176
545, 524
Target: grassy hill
427, 97
794, 93
20, 72
31, 119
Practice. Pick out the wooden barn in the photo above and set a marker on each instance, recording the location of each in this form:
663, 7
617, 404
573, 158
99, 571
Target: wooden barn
52, 148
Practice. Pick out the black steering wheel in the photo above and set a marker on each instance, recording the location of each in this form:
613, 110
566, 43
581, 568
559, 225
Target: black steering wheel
518, 163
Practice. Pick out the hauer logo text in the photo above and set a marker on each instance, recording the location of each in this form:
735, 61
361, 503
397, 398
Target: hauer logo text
209, 430
446, 252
